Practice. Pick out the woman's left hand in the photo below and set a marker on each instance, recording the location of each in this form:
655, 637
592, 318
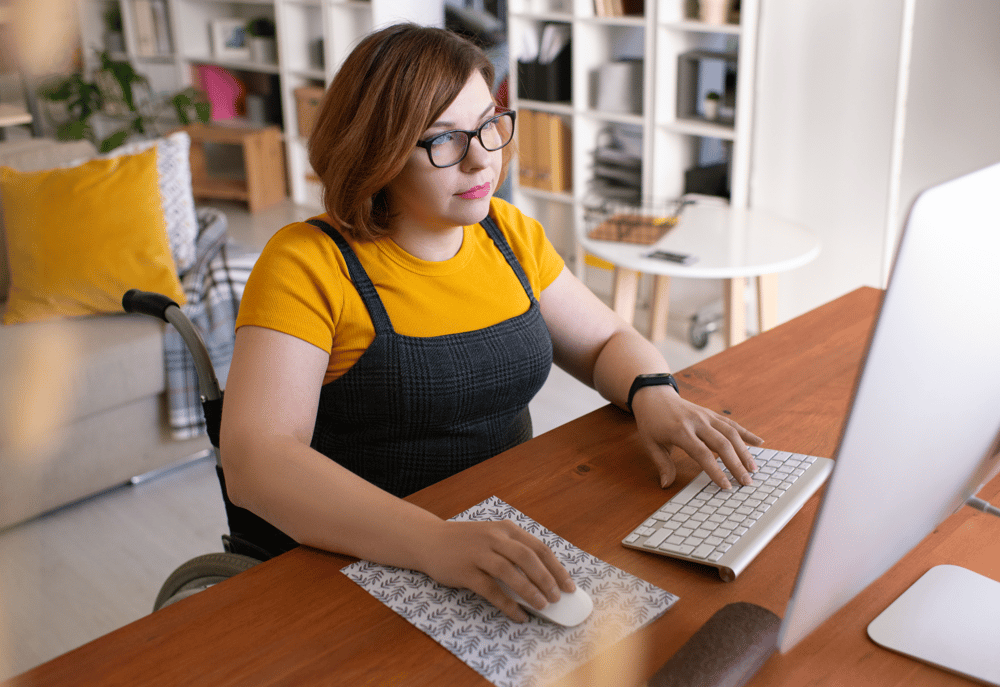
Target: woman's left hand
667, 421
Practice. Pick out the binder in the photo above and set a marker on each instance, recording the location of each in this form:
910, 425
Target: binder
545, 145
558, 151
527, 148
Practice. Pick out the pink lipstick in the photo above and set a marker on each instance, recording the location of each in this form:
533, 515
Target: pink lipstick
476, 192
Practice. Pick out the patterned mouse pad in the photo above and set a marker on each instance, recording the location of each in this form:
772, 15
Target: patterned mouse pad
506, 653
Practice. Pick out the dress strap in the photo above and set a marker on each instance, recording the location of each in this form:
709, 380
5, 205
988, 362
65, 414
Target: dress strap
508, 253
369, 296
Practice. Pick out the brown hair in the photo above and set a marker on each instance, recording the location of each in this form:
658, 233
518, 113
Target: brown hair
389, 90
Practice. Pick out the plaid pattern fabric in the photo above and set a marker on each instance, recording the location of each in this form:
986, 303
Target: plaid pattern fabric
414, 410
213, 286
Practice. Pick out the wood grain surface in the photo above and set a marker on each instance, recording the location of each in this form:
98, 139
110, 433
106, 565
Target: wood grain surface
296, 620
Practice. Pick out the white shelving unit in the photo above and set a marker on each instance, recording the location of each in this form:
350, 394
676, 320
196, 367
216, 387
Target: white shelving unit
313, 38
670, 145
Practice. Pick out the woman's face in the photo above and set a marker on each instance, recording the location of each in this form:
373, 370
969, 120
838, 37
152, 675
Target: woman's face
427, 198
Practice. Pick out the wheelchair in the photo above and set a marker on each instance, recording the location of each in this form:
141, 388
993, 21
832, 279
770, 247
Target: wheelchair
241, 551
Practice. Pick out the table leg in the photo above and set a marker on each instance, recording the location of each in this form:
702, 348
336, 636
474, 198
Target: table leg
626, 291
735, 310
661, 308
767, 301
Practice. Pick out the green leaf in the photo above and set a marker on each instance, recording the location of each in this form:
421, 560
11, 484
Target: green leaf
113, 141
72, 131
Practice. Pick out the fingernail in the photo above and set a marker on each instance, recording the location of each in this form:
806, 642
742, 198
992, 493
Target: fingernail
747, 480
753, 466
726, 484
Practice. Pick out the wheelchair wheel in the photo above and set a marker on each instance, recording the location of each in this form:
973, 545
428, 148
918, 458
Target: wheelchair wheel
201, 573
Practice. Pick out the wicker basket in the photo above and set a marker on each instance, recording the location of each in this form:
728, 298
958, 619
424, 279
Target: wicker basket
642, 224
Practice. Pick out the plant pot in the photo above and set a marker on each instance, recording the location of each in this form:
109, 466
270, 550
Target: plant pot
114, 42
711, 108
263, 50
714, 11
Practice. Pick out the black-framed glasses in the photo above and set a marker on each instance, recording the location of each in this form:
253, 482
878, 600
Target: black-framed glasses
450, 147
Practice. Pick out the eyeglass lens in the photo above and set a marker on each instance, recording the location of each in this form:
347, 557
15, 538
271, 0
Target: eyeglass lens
451, 147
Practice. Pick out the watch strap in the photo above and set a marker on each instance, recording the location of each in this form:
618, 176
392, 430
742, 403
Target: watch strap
641, 381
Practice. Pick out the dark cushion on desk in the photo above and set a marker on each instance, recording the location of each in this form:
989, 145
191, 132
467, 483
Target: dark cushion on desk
725, 652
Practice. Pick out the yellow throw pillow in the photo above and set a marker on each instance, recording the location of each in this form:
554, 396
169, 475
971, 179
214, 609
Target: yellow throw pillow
79, 238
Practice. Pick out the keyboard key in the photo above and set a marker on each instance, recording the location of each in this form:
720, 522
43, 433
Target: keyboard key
703, 551
658, 537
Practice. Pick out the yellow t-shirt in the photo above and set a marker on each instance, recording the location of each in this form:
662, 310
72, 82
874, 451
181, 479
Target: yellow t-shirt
300, 285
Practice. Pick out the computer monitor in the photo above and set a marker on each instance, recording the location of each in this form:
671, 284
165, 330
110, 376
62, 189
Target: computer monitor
923, 432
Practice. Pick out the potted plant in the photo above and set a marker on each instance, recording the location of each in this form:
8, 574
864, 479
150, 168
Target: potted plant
711, 105
261, 37
114, 37
116, 96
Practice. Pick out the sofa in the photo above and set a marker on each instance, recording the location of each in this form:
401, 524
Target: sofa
83, 403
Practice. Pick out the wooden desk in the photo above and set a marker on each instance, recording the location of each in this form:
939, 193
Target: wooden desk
296, 620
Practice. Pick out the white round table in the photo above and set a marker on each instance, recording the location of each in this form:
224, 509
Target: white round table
731, 244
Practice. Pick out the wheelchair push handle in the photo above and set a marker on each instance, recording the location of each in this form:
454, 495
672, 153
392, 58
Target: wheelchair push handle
164, 308
147, 303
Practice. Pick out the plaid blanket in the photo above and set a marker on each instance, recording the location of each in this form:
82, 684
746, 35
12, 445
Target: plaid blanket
213, 286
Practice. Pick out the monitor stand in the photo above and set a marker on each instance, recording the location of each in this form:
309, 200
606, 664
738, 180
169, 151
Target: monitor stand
949, 618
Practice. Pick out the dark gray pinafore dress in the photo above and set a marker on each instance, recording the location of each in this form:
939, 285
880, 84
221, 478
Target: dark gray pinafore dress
415, 410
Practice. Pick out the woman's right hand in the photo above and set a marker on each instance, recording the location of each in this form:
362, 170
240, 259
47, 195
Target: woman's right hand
474, 555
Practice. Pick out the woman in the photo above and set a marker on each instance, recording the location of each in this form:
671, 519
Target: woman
398, 338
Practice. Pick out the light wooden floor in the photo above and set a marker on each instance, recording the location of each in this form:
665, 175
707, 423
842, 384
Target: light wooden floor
90, 568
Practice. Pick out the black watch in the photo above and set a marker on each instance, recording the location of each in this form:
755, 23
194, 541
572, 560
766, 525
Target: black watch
657, 379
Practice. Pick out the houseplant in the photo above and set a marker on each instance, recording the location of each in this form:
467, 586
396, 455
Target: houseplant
261, 37
116, 97
711, 105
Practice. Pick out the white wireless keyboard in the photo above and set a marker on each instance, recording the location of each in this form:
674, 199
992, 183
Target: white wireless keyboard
704, 523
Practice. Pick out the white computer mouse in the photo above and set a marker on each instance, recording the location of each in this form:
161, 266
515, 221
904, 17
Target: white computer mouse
570, 610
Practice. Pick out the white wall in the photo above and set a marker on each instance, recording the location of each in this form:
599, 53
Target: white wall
953, 106
831, 148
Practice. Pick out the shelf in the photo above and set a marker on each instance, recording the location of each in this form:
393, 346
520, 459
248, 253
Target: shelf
617, 117
12, 115
239, 65
695, 26
561, 108
701, 127
625, 20
548, 195
557, 17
